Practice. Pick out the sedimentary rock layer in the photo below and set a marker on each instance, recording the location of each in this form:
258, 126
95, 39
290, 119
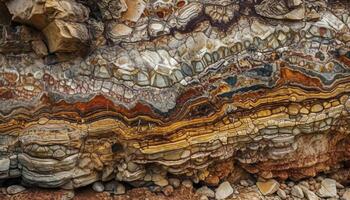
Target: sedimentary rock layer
134, 90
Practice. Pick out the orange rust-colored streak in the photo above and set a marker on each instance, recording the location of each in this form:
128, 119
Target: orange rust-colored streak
181, 4
10, 77
345, 60
189, 94
97, 102
6, 94
221, 89
293, 76
250, 96
100, 102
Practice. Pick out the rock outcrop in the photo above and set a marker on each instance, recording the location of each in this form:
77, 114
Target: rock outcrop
137, 91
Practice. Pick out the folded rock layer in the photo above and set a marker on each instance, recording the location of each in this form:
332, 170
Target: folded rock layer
135, 91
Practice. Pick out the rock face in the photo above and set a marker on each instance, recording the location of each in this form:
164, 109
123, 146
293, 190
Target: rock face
136, 91
61, 21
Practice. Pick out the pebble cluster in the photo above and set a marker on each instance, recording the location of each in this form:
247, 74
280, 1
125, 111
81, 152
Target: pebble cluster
317, 188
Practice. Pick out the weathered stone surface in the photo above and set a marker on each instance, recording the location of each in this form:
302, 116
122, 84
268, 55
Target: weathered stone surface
268, 187
223, 191
98, 187
4, 164
346, 195
328, 188
65, 36
281, 193
206, 192
141, 91
14, 189
60, 21
297, 192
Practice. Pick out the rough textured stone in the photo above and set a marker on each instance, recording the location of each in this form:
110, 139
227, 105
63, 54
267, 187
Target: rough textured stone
14, 189
187, 183
297, 191
168, 190
197, 90
310, 195
346, 195
206, 192
223, 191
328, 188
98, 187
268, 187
65, 36
282, 194
4, 164
174, 182
60, 21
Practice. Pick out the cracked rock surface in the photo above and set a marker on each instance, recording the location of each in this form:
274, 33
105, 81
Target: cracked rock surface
141, 92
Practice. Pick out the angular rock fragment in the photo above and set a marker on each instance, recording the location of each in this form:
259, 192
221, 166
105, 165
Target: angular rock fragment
268, 187
60, 21
223, 191
328, 188
66, 36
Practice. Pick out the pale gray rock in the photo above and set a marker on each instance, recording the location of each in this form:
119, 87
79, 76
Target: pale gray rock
14, 189
223, 191
187, 183
244, 183
120, 189
281, 193
304, 183
4, 164
339, 186
309, 195
206, 192
98, 187
203, 197
328, 188
297, 191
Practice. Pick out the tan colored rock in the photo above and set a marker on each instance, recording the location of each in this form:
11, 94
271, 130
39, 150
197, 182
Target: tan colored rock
66, 36
281, 10
118, 30
316, 108
294, 109
57, 20
66, 10
134, 11
39, 48
29, 12
268, 187
346, 195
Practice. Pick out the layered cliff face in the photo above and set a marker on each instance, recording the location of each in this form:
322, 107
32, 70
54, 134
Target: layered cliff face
138, 91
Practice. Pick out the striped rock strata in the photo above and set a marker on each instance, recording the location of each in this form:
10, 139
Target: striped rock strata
136, 91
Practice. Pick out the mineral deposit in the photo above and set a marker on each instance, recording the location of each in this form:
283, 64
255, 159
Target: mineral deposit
139, 91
